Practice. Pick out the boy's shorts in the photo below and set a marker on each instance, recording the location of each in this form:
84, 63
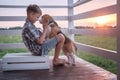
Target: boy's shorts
48, 45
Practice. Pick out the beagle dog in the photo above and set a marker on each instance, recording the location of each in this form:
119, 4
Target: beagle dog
69, 47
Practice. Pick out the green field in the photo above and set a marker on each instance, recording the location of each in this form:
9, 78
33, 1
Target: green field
101, 41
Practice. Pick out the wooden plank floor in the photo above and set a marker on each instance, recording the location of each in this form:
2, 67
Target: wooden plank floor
82, 71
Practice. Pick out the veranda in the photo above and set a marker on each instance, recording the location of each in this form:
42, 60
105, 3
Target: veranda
71, 73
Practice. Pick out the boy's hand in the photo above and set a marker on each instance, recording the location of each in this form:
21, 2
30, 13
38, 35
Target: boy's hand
45, 26
41, 39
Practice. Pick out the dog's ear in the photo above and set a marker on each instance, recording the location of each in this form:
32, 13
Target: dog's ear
47, 19
44, 20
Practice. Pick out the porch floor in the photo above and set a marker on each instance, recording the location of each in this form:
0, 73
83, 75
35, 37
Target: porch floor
82, 71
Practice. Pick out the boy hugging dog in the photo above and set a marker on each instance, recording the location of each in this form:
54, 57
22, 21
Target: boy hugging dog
69, 48
35, 40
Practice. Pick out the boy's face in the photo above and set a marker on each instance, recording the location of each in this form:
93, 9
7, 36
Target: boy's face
33, 17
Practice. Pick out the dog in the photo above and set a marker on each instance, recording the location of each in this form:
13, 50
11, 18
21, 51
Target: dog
69, 48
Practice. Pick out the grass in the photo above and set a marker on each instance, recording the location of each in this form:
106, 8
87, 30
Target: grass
99, 61
10, 39
4, 51
98, 41
101, 41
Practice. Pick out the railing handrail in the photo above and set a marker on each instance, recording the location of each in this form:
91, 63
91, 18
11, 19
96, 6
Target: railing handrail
94, 31
23, 6
94, 13
22, 18
89, 48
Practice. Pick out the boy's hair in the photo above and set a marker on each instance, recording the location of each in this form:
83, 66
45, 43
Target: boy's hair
33, 8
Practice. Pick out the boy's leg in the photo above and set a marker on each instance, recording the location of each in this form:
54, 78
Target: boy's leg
54, 42
57, 43
48, 45
58, 48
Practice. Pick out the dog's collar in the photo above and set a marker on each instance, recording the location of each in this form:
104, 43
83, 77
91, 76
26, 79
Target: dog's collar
51, 22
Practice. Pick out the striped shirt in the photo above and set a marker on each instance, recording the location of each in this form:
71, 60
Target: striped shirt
29, 34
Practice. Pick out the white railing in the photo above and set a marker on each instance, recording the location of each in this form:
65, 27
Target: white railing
113, 55
95, 50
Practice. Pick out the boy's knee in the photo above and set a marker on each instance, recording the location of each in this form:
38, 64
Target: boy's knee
61, 37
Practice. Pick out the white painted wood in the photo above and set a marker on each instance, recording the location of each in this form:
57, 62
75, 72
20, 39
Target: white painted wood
22, 18
18, 32
70, 21
96, 13
60, 17
21, 6
79, 2
31, 66
64, 30
12, 45
98, 51
95, 32
10, 32
24, 61
118, 39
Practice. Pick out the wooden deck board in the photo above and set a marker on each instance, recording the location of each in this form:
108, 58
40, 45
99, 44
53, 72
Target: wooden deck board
82, 71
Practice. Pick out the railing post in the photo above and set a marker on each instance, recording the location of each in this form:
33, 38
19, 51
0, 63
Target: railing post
70, 21
118, 39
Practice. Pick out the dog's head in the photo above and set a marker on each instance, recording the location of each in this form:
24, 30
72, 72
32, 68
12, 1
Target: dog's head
47, 19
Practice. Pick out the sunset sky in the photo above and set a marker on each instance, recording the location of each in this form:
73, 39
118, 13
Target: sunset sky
107, 20
92, 5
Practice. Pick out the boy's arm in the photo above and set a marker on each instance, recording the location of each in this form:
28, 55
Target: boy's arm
41, 39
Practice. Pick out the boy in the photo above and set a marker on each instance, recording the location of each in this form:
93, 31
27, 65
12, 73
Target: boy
35, 40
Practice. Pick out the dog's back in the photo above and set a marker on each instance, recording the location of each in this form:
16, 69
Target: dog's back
72, 44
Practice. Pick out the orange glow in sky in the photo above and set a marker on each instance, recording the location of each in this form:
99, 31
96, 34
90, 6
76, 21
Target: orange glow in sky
102, 20
109, 20
105, 20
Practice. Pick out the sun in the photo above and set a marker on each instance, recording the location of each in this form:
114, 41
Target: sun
102, 20
105, 20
